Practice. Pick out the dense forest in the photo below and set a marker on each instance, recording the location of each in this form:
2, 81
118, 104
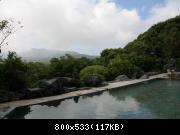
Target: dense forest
153, 50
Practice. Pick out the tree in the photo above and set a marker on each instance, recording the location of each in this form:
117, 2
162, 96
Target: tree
14, 72
119, 66
37, 71
108, 54
7, 28
68, 65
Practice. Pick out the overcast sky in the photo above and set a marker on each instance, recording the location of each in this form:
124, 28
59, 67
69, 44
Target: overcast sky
84, 26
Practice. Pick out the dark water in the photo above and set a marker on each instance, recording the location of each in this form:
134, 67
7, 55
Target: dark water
154, 99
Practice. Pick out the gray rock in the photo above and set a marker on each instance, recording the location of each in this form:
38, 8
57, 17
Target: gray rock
146, 76
36, 92
53, 86
63, 81
42, 83
122, 78
93, 81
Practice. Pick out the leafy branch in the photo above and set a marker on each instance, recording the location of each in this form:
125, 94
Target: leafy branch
7, 28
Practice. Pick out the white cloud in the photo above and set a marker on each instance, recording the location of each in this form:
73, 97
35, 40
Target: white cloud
162, 12
86, 26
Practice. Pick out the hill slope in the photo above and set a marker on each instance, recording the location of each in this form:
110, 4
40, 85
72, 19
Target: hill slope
43, 55
151, 50
161, 40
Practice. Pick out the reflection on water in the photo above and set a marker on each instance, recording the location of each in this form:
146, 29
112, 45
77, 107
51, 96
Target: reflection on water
76, 99
155, 99
19, 113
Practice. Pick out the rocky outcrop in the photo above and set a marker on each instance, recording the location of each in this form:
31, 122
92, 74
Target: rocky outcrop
122, 78
53, 86
37, 92
6, 96
61, 81
93, 80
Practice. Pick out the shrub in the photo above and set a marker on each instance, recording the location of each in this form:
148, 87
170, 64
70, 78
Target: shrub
93, 75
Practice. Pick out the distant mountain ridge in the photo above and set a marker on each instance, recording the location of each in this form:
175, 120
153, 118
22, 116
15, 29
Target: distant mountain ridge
44, 55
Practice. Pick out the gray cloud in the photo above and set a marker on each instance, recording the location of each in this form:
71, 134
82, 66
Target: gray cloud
86, 26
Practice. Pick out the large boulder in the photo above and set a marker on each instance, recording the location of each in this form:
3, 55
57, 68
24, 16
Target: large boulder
93, 80
42, 83
70, 82
122, 78
53, 86
6, 96
37, 92
63, 81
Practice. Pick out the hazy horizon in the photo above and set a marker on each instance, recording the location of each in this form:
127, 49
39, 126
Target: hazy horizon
83, 26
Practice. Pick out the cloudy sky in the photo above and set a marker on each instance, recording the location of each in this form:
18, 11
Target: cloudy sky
85, 26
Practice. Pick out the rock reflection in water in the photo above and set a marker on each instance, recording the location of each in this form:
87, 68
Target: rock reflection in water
19, 113
76, 99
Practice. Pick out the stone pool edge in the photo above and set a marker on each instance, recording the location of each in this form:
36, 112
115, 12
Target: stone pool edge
5, 108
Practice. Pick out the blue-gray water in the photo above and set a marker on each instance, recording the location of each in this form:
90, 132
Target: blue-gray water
153, 99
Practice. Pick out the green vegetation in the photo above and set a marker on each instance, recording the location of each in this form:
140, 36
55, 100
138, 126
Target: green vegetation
158, 45
119, 66
151, 51
68, 66
98, 71
13, 73
37, 71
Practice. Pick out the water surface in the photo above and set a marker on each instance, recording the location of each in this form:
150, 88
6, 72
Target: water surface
153, 99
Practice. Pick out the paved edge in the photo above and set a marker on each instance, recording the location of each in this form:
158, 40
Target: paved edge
5, 108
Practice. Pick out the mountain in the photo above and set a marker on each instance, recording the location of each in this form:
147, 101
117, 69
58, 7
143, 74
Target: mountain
43, 55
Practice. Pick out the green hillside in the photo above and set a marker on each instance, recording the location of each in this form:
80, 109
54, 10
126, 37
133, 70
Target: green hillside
152, 50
